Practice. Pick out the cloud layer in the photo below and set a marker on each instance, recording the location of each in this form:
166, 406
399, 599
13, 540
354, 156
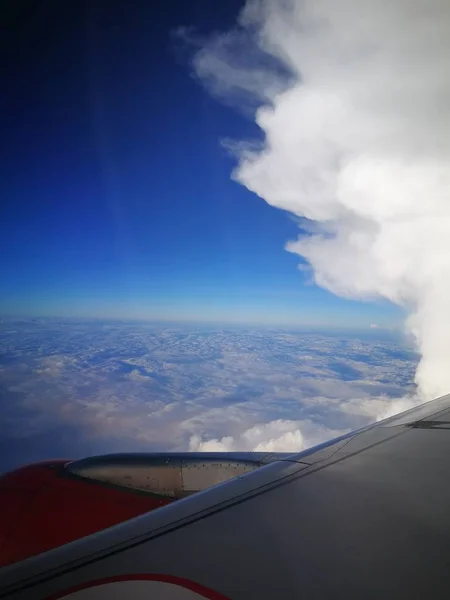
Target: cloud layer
355, 110
72, 389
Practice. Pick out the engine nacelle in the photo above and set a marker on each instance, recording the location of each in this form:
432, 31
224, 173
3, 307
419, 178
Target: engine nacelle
48, 504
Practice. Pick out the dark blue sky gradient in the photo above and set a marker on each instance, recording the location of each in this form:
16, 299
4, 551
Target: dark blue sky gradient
116, 192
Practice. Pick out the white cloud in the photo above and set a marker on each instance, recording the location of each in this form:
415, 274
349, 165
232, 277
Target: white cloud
53, 366
359, 143
196, 444
138, 377
378, 408
275, 436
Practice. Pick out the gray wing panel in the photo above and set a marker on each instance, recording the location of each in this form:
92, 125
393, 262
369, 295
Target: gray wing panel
369, 518
435, 413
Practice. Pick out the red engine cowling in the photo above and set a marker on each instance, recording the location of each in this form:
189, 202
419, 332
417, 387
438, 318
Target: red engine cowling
42, 506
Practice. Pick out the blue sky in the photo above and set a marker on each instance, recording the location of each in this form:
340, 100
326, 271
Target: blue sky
117, 197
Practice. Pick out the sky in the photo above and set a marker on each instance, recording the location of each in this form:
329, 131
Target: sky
117, 196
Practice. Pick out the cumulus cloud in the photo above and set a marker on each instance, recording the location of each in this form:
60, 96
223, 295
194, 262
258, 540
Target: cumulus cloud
378, 408
356, 141
53, 366
276, 436
136, 376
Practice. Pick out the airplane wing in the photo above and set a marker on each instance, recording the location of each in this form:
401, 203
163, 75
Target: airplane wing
364, 516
